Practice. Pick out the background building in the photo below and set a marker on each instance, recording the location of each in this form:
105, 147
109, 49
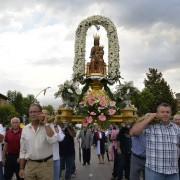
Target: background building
3, 99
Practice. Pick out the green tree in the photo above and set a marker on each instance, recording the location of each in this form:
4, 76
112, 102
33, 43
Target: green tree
125, 92
145, 102
27, 101
16, 99
160, 90
21, 103
7, 111
49, 108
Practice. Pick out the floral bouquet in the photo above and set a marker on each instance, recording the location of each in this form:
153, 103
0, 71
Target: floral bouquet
97, 109
69, 92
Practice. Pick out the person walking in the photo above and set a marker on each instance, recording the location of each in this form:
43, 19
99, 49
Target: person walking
138, 157
86, 141
67, 152
60, 136
11, 150
36, 161
176, 120
99, 141
1, 140
162, 144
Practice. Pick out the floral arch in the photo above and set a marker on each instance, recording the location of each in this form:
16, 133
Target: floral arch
80, 43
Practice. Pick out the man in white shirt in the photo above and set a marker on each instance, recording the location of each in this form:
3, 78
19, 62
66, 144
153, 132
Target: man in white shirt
36, 161
1, 140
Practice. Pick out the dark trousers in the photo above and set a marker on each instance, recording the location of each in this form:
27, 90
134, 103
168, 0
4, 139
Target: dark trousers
11, 167
73, 165
86, 155
137, 167
1, 171
67, 163
121, 165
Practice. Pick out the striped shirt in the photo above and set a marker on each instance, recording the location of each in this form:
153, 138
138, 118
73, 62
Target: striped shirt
162, 148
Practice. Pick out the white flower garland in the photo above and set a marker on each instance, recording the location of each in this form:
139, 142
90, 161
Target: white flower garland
80, 43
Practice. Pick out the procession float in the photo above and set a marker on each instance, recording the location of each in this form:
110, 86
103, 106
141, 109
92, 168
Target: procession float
89, 97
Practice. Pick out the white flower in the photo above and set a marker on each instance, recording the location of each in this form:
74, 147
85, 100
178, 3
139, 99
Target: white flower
80, 43
70, 91
78, 91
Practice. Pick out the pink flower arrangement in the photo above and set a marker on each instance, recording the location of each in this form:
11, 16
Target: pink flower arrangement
97, 108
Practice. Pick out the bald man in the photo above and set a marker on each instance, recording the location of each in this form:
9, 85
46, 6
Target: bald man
11, 149
177, 119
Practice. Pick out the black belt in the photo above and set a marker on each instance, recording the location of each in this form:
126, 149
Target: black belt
138, 156
42, 160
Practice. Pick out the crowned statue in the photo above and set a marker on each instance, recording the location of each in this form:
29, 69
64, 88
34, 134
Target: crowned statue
96, 66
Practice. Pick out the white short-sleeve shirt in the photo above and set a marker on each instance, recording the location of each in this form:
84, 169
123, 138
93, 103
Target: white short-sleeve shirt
1, 132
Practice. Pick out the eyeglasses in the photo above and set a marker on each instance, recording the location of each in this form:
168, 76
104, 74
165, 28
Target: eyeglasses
30, 112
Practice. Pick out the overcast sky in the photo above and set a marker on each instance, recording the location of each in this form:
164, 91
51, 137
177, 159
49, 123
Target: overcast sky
37, 41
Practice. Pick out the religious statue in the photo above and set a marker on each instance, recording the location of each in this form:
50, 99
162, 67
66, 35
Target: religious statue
97, 64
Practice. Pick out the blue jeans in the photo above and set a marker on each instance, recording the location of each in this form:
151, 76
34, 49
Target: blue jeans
1, 171
56, 168
67, 163
152, 175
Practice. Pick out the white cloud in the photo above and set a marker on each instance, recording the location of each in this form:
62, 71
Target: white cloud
37, 41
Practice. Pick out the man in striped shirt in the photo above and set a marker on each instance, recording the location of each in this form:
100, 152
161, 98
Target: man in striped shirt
162, 144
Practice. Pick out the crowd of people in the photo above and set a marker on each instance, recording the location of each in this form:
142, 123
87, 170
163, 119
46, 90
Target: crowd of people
146, 150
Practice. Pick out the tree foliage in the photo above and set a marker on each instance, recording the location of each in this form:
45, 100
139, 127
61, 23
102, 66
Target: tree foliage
7, 111
126, 92
20, 103
159, 89
49, 108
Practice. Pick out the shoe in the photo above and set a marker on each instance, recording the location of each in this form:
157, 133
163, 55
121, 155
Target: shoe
73, 175
84, 164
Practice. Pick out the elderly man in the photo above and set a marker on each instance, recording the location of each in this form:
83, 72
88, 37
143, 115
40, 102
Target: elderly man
36, 161
177, 119
162, 144
86, 141
11, 149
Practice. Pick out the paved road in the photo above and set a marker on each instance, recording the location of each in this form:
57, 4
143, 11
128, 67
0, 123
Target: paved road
94, 171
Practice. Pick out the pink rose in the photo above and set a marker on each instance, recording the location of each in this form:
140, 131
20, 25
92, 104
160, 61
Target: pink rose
112, 103
100, 108
85, 123
81, 103
89, 119
92, 113
111, 112
91, 100
102, 101
102, 117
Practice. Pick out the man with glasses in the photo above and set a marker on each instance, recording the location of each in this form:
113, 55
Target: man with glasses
36, 161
